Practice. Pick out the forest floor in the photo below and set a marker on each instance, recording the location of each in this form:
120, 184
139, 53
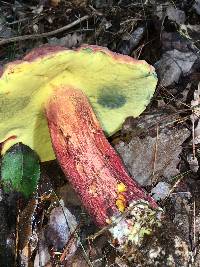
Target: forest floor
160, 149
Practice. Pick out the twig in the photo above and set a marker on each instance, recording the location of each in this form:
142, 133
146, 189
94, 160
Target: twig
155, 155
17, 234
17, 21
193, 136
194, 228
95, 11
45, 34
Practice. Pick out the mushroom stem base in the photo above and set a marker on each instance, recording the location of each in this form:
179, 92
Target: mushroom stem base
134, 224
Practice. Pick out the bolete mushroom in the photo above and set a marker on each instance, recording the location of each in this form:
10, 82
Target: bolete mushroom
76, 91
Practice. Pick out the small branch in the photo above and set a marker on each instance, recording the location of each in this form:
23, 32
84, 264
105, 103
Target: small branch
42, 35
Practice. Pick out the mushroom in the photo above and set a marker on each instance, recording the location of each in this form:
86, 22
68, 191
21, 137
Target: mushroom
60, 103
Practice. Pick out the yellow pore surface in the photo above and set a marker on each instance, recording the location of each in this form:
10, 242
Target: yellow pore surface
117, 87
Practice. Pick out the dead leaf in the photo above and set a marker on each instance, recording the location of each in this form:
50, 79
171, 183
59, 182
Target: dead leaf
61, 226
196, 6
193, 162
55, 3
69, 41
174, 40
5, 30
173, 64
156, 154
42, 257
131, 41
25, 223
175, 14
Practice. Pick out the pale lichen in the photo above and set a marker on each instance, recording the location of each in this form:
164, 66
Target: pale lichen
134, 224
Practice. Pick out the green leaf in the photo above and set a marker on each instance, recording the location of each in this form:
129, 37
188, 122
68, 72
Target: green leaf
20, 170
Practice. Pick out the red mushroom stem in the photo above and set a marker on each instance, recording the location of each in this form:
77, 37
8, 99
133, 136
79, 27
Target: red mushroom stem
91, 164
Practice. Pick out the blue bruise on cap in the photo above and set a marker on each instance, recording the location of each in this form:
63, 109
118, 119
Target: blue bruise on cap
111, 99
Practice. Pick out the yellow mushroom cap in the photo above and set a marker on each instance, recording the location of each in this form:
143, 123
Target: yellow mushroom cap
117, 87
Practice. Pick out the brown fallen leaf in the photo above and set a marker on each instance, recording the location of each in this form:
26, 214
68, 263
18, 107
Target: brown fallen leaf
55, 3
